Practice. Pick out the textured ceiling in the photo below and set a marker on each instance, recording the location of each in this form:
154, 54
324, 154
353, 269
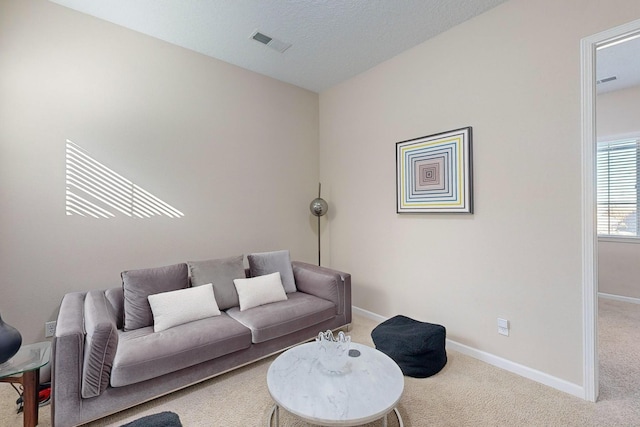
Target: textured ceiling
332, 40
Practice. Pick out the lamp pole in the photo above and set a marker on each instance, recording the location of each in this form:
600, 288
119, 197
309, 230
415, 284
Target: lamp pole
318, 207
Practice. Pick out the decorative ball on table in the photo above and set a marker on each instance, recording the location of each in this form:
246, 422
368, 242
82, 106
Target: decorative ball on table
10, 341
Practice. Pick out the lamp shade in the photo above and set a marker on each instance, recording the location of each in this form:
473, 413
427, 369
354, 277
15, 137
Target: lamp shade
318, 207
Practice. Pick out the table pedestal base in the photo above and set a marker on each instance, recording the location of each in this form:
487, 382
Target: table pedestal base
275, 415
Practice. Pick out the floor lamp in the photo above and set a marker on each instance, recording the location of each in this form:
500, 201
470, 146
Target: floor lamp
318, 207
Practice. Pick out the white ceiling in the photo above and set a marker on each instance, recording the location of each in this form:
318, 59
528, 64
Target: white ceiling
332, 40
623, 62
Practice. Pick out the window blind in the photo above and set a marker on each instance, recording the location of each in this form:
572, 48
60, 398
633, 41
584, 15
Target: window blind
617, 188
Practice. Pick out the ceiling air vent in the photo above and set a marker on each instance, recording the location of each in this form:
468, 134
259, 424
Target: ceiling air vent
274, 44
608, 79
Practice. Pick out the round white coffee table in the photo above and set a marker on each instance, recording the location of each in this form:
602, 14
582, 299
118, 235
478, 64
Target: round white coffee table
368, 390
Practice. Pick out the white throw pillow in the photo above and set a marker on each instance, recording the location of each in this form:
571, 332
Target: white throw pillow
182, 306
259, 290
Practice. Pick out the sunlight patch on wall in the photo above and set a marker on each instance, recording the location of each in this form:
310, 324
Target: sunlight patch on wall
94, 190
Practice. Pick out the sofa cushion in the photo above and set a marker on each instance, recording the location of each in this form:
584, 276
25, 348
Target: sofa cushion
143, 354
101, 341
139, 284
175, 308
274, 320
220, 273
259, 290
262, 263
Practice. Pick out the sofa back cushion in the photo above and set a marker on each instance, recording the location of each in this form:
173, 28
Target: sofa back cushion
101, 342
220, 273
139, 284
262, 263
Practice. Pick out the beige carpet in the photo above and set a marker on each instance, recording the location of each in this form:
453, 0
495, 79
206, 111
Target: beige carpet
466, 392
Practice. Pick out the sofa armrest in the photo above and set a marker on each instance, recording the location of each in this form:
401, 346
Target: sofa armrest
325, 283
67, 356
116, 298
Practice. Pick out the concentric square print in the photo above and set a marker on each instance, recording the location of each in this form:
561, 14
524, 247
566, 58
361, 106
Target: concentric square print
433, 173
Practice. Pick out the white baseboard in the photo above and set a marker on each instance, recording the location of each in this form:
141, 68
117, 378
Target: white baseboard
368, 314
619, 298
507, 365
518, 369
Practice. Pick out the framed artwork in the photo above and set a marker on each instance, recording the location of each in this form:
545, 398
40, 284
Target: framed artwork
434, 173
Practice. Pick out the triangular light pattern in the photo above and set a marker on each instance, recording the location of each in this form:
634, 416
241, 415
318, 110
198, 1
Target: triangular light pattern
94, 190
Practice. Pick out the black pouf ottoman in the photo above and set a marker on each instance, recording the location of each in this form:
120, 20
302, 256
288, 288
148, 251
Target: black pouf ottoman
417, 347
163, 419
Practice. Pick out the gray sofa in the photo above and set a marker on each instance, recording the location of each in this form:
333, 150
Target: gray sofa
99, 367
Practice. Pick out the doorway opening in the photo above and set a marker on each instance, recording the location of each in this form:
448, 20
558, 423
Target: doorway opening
589, 47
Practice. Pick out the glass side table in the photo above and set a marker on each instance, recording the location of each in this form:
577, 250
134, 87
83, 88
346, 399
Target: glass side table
24, 368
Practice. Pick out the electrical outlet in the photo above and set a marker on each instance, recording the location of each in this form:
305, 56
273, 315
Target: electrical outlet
503, 327
49, 329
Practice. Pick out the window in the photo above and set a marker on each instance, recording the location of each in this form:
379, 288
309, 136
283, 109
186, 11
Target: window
617, 187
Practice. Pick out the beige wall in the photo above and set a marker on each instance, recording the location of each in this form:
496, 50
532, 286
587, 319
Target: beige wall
513, 74
618, 266
618, 113
235, 151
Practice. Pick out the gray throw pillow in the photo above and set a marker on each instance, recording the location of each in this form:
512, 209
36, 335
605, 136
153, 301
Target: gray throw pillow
101, 341
220, 273
269, 262
139, 284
